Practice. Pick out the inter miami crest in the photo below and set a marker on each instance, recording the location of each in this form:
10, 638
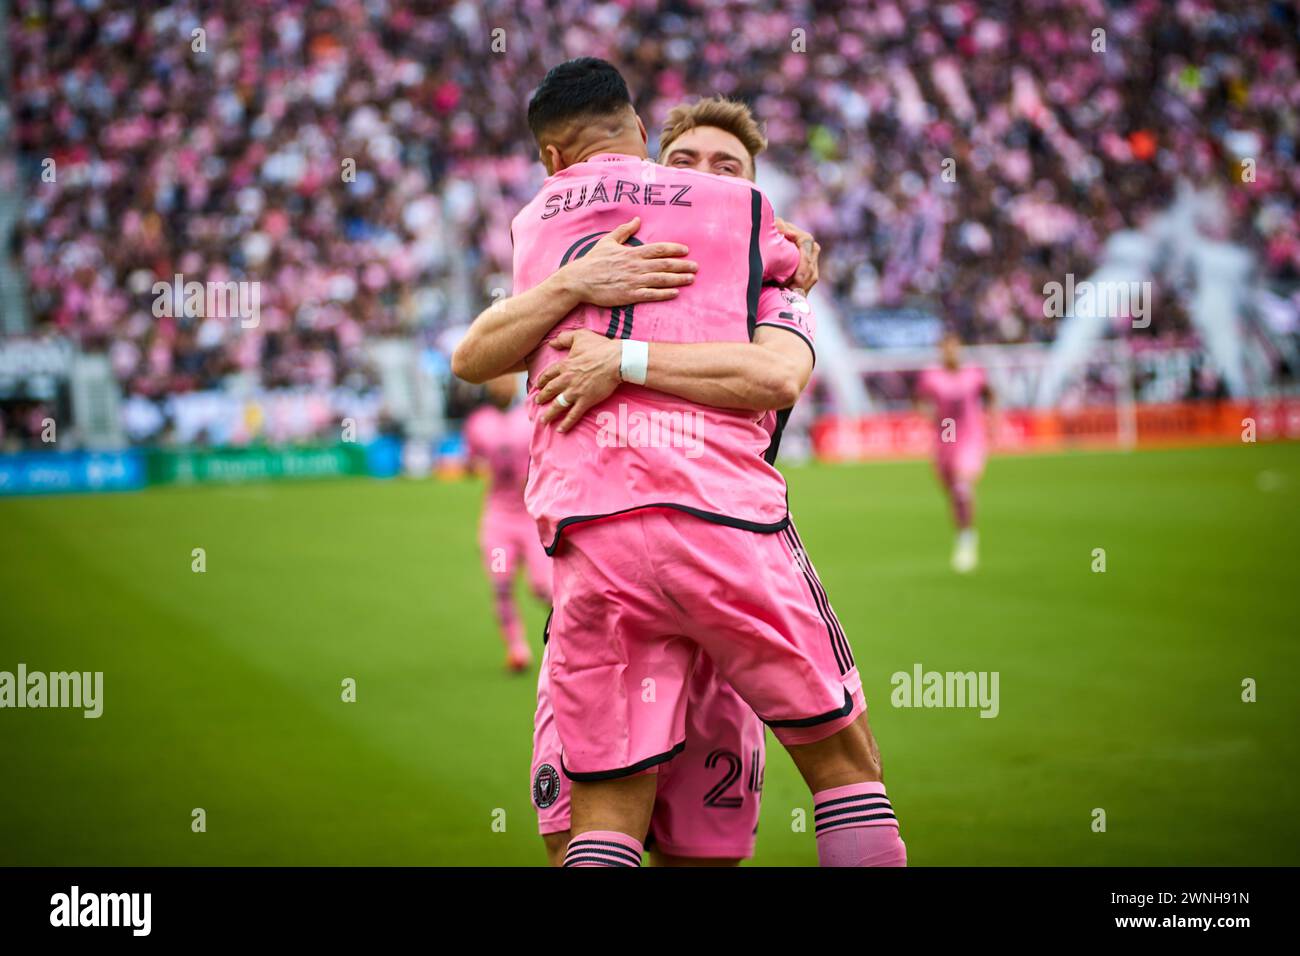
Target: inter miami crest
546, 786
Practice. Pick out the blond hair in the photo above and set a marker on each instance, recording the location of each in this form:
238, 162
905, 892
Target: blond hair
730, 116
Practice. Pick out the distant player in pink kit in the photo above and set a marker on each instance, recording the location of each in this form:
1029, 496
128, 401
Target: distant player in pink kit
667, 522
955, 396
497, 436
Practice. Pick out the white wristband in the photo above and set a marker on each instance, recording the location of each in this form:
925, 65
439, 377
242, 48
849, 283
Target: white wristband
634, 364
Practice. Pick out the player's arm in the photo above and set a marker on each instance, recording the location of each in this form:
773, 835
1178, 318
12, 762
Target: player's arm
787, 253
992, 410
506, 332
767, 374
810, 250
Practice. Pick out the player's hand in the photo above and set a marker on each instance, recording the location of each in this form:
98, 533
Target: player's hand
614, 273
586, 377
810, 250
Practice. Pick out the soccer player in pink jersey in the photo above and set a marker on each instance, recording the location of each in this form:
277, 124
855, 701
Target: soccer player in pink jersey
707, 799
497, 436
955, 396
666, 520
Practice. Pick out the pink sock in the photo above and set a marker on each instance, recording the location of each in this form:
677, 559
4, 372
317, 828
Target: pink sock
963, 503
856, 826
603, 848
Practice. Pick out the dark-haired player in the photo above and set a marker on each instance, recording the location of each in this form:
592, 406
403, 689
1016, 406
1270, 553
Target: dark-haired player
658, 555
707, 798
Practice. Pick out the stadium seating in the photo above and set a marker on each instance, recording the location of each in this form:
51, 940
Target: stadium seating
363, 161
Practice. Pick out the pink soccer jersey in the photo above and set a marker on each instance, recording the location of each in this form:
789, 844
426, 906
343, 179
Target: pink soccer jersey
787, 309
498, 440
957, 396
723, 733
642, 448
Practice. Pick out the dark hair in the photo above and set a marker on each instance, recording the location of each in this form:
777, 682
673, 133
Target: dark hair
587, 86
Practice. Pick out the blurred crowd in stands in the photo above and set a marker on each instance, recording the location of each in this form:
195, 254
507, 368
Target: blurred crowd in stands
362, 159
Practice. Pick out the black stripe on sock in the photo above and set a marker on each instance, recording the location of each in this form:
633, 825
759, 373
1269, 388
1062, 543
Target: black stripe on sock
602, 859
864, 819
599, 861
627, 856
857, 808
849, 799
594, 846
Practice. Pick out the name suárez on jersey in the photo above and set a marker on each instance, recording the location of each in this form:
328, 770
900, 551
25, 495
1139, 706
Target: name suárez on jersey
625, 191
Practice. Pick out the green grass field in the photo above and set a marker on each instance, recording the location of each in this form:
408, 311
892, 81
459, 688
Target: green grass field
1119, 690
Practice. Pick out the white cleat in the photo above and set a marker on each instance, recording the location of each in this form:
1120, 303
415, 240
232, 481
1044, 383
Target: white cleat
965, 553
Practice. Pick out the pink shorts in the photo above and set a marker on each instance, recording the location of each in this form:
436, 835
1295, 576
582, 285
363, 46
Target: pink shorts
508, 539
959, 463
639, 597
706, 799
